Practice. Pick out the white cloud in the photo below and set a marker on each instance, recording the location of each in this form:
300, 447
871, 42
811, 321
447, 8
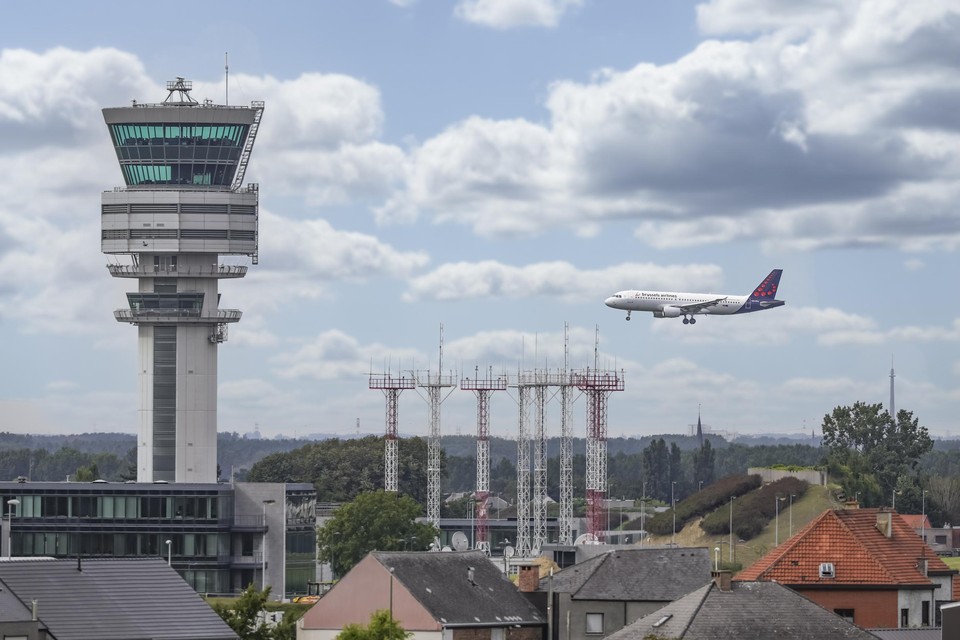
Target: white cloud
459, 281
509, 14
801, 138
334, 354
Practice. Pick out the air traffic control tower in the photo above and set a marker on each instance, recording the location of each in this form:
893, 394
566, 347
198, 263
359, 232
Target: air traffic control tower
182, 207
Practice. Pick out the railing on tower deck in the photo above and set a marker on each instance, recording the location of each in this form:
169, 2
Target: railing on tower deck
178, 316
146, 271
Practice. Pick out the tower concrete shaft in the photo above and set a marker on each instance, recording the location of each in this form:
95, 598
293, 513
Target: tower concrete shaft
181, 208
483, 389
597, 387
392, 387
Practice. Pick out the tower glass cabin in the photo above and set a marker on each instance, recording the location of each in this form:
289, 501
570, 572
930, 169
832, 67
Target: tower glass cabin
181, 208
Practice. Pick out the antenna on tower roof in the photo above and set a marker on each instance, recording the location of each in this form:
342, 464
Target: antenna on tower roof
226, 78
182, 88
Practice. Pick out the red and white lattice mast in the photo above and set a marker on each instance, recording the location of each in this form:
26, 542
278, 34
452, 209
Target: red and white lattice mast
435, 384
483, 388
597, 386
391, 386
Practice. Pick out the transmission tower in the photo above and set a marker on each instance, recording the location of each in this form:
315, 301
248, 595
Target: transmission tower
483, 388
434, 385
597, 387
522, 545
566, 449
391, 387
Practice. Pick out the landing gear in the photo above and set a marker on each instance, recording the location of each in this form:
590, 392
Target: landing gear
686, 320
690, 320
628, 316
693, 321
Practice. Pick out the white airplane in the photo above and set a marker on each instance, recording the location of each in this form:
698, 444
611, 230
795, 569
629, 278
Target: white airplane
671, 304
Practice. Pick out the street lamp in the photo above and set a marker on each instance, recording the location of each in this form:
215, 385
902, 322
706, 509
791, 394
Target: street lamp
673, 508
923, 515
169, 552
792, 496
11, 503
263, 545
506, 543
776, 527
716, 558
730, 545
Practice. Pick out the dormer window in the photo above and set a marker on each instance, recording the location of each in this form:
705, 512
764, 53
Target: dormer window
826, 570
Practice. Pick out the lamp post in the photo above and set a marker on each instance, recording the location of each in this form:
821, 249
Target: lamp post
643, 514
263, 545
506, 543
792, 496
169, 552
11, 504
776, 526
391, 594
893, 505
923, 515
730, 545
716, 558
673, 508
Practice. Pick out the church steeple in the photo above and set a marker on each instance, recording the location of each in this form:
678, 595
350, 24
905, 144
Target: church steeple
699, 428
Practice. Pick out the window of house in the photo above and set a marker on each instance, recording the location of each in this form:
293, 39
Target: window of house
595, 623
925, 613
940, 539
904, 618
846, 614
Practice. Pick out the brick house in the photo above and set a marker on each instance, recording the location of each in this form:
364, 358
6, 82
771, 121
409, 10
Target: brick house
867, 565
435, 596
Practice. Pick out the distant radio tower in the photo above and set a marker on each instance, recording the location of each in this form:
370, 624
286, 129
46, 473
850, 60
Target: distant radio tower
893, 409
391, 387
435, 386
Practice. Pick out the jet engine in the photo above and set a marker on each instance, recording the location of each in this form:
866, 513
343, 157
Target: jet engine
668, 312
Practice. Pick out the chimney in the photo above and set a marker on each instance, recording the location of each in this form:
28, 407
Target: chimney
884, 523
33, 609
922, 566
722, 579
529, 578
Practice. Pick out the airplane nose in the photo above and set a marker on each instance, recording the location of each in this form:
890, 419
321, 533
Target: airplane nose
610, 301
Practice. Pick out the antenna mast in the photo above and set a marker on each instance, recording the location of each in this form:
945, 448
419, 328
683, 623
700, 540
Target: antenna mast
434, 386
226, 79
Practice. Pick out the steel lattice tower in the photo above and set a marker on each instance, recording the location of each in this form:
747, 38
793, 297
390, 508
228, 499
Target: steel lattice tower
483, 389
391, 387
566, 450
597, 386
435, 384
523, 473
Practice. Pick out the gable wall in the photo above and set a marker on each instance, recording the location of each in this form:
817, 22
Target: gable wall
872, 609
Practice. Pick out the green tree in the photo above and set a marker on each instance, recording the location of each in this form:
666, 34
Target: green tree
382, 627
378, 520
871, 451
656, 470
245, 615
704, 461
87, 473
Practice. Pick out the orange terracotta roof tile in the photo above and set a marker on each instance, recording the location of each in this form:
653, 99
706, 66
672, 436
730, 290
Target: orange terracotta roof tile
860, 553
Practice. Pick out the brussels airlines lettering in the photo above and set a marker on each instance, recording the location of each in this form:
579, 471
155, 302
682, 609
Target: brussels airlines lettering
670, 304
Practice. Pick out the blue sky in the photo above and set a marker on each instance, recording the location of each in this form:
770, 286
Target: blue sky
500, 167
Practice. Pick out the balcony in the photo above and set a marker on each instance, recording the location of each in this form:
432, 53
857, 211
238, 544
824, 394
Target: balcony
175, 316
143, 271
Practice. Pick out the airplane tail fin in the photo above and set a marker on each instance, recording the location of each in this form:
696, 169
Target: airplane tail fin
768, 288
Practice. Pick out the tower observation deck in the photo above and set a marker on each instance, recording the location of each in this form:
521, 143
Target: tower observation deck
181, 208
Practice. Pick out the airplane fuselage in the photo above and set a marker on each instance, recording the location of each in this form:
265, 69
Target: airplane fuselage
673, 304
668, 304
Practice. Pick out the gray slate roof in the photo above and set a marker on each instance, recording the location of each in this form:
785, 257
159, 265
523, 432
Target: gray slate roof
113, 599
749, 611
635, 575
439, 581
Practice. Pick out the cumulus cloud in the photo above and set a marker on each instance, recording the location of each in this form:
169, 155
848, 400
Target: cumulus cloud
459, 281
509, 14
822, 131
334, 353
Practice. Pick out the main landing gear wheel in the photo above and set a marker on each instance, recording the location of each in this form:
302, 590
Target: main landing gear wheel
686, 321
693, 321
628, 316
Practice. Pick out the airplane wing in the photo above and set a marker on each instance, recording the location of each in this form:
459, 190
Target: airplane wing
696, 307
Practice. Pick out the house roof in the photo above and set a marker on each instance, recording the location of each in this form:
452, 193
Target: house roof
441, 584
113, 599
639, 574
748, 611
860, 553
917, 520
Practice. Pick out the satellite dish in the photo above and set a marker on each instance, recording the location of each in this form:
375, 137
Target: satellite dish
459, 541
535, 552
509, 552
586, 538
446, 549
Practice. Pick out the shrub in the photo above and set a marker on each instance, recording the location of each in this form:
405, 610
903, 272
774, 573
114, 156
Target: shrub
699, 503
753, 511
